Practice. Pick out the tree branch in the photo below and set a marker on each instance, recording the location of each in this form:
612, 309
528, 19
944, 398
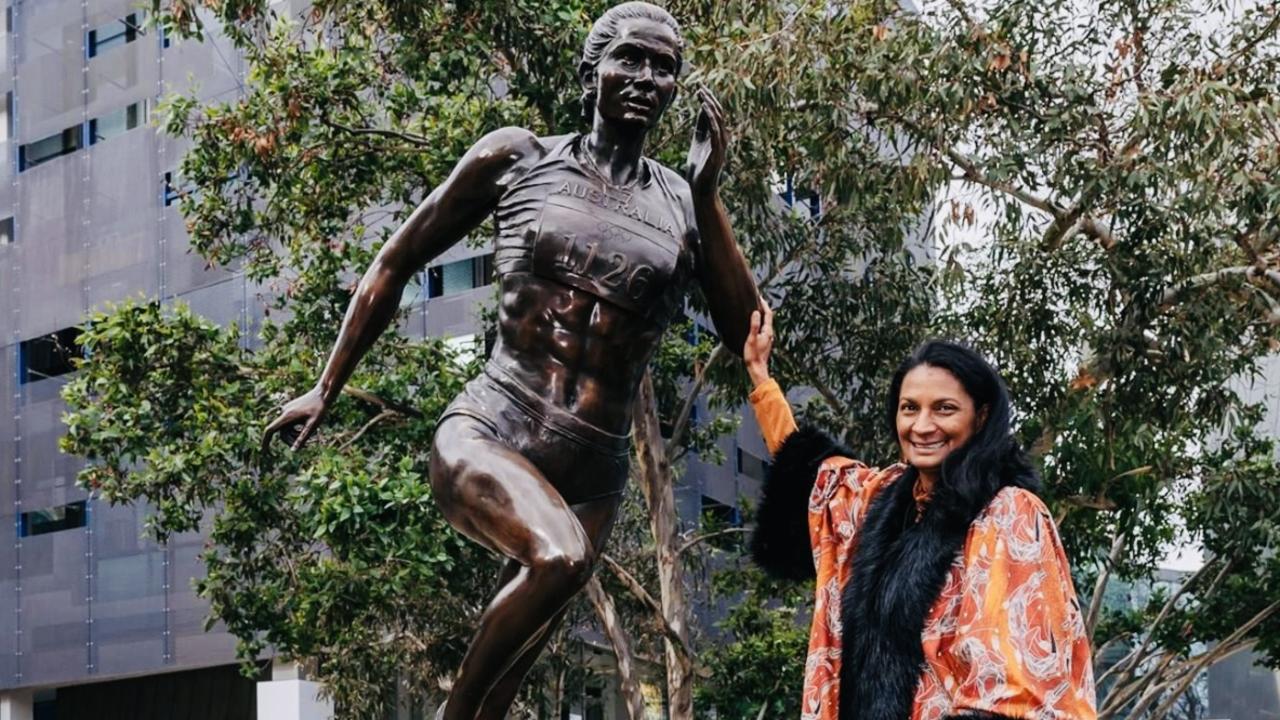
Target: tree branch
1128, 663
686, 408
1266, 31
631, 583
1095, 603
1248, 273
709, 536
416, 140
365, 395
608, 614
971, 171
1219, 653
384, 415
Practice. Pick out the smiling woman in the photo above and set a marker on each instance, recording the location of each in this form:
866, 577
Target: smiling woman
596, 246
943, 592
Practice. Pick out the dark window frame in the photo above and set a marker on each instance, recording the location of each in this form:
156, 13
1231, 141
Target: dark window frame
54, 353
72, 140
53, 519
129, 32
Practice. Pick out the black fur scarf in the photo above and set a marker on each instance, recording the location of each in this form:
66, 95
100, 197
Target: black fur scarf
899, 565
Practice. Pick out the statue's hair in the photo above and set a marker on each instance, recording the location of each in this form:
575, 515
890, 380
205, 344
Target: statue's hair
605, 31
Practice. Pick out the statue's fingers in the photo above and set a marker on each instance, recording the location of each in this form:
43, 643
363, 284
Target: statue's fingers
715, 104
702, 127
274, 428
307, 430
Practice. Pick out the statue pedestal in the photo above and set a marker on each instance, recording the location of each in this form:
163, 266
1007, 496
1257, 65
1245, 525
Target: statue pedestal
17, 705
287, 696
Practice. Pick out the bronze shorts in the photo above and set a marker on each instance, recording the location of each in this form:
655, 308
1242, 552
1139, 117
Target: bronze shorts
580, 460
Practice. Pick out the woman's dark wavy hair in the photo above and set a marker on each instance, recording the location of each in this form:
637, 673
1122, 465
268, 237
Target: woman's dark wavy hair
605, 31
992, 457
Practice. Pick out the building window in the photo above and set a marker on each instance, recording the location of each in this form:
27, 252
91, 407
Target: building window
118, 122
46, 149
52, 519
171, 192
6, 230
6, 117
466, 347
751, 466
456, 277
796, 199
113, 34
49, 356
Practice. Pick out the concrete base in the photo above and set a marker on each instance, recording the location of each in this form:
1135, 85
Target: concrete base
291, 700
17, 705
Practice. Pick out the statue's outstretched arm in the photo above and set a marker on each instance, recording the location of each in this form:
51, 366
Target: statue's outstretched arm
449, 212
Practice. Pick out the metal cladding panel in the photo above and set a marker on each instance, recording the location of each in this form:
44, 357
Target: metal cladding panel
51, 250
10, 296
48, 474
192, 646
9, 438
223, 303
124, 73
129, 585
8, 598
212, 69
50, 86
54, 607
457, 314
184, 268
122, 218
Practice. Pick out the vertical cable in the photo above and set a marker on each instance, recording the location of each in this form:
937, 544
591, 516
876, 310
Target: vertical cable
162, 292
16, 376
86, 249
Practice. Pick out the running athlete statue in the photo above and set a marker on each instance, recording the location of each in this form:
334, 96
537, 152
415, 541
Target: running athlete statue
596, 247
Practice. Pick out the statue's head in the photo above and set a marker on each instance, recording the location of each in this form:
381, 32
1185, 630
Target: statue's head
630, 63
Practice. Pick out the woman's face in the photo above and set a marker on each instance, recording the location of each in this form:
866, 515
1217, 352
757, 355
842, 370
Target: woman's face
636, 78
935, 416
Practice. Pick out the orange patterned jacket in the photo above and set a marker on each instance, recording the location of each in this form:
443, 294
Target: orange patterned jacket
1005, 636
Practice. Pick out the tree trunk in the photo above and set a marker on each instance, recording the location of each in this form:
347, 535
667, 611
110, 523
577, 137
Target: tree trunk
655, 482
557, 695
608, 614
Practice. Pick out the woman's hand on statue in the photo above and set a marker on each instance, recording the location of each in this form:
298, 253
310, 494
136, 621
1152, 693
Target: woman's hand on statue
305, 410
755, 352
709, 148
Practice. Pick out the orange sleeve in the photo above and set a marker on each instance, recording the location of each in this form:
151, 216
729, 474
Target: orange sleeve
773, 413
1021, 649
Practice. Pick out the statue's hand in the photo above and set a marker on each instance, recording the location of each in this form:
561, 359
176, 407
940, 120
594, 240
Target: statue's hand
709, 148
305, 410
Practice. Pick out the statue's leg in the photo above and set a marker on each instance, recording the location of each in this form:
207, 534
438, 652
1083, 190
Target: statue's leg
498, 498
597, 519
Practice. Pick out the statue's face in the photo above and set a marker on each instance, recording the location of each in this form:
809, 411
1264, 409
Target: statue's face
636, 78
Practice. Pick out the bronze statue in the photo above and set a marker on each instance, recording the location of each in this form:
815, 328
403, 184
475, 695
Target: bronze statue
596, 246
